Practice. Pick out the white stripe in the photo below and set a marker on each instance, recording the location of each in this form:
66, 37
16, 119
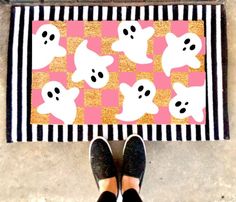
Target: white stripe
193, 132
46, 12
154, 132
183, 132
160, 12
36, 12
163, 132
181, 12
114, 13
133, 13
115, 132
57, 13
124, 131
219, 73
203, 133
95, 130
24, 76
75, 133
105, 131
145, 133
45, 133
85, 133
135, 129
142, 13
85, 12
34, 132
66, 13
151, 12
190, 12
173, 132
55, 133
65, 133
95, 13
123, 12
76, 15
209, 71
104, 12
170, 12
199, 12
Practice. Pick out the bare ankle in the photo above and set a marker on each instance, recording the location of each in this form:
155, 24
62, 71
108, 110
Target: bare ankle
109, 184
130, 183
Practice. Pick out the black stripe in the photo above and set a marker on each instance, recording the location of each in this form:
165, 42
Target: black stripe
146, 12
100, 130
128, 13
90, 13
39, 132
100, 13
50, 133
185, 12
198, 132
70, 133
29, 74
41, 13
120, 132
109, 13
71, 13
149, 132
90, 132
188, 132
165, 12
140, 130
214, 71
129, 130
178, 133
52, 13
110, 132
80, 14
168, 133
195, 12
61, 13
119, 14
19, 74
175, 12
9, 77
80, 132
159, 132
60, 133
207, 109
137, 13
224, 49
155, 17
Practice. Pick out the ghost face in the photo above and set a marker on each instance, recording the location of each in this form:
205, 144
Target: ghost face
129, 30
180, 107
53, 92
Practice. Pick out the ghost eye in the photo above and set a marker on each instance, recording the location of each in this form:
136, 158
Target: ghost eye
177, 104
57, 91
187, 41
186, 103
93, 70
147, 93
44, 34
133, 29
100, 74
52, 37
125, 31
50, 95
140, 88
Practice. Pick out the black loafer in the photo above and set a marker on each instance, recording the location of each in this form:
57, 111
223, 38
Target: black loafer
101, 160
134, 158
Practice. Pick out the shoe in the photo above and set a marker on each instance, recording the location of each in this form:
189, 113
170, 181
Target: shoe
134, 158
101, 160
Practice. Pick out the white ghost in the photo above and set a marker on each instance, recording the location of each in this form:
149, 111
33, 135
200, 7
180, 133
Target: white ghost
91, 67
181, 51
46, 46
59, 101
138, 100
133, 41
189, 101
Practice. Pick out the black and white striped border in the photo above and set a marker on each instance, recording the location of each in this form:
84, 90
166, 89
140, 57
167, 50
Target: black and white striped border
19, 128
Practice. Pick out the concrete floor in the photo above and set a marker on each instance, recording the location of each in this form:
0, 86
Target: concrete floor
176, 171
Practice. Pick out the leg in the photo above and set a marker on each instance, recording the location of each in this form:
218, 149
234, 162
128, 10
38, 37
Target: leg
107, 197
131, 195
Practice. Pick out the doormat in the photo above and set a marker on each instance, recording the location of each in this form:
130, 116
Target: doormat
76, 72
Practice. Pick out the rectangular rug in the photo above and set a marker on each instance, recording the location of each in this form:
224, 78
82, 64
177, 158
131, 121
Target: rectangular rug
75, 72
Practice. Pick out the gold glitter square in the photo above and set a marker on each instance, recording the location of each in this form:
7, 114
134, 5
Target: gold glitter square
113, 82
39, 79
61, 26
157, 63
181, 77
202, 67
150, 46
38, 118
196, 27
72, 44
71, 84
125, 65
161, 28
106, 46
59, 65
92, 29
145, 75
79, 116
146, 119
179, 121
92, 98
108, 115
162, 98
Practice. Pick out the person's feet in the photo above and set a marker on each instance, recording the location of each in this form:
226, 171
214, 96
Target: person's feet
134, 163
103, 166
